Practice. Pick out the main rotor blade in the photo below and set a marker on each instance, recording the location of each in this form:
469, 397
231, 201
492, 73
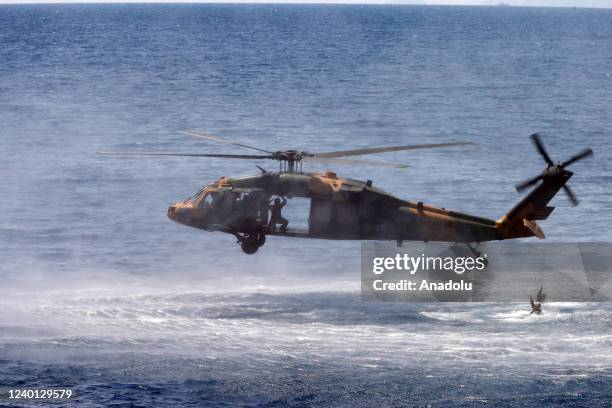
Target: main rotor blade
579, 156
221, 140
222, 156
570, 195
540, 146
327, 160
358, 152
527, 183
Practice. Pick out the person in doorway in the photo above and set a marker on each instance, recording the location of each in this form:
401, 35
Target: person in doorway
276, 215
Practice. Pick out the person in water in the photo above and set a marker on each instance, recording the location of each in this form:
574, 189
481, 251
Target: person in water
536, 307
276, 215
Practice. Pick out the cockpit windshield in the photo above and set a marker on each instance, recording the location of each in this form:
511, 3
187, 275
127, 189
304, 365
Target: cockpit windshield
203, 198
195, 197
226, 199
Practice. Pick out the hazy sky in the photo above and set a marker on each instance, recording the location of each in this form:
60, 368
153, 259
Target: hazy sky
553, 3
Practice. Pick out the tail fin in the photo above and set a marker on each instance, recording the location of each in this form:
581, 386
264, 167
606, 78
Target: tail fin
521, 220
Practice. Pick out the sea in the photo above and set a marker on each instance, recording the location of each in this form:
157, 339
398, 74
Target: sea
101, 293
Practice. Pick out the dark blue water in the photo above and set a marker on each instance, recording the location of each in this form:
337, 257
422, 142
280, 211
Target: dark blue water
102, 292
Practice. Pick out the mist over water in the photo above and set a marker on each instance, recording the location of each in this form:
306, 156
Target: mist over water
102, 292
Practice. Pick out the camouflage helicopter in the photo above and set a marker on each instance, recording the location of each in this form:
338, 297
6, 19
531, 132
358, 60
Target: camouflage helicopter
347, 209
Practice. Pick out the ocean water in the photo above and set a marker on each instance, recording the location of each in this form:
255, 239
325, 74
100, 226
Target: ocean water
101, 292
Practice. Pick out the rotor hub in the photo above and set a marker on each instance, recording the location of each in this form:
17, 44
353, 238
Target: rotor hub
288, 155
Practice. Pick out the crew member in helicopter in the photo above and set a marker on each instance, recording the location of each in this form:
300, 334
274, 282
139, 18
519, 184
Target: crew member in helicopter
276, 216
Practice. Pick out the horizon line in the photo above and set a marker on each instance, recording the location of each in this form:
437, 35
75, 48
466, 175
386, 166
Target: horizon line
421, 3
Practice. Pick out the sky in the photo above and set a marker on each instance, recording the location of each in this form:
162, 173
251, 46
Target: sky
550, 3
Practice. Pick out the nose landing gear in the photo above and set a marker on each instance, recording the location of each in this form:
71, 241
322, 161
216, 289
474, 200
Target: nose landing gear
250, 243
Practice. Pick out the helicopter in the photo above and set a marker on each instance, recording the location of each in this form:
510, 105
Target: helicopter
347, 209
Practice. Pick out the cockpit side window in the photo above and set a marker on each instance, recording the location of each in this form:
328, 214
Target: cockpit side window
205, 199
208, 200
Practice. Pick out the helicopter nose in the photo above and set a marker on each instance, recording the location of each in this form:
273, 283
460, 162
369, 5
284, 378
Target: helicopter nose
172, 212
177, 213
180, 212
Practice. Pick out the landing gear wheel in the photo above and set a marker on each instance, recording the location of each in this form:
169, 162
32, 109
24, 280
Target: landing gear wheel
249, 245
478, 254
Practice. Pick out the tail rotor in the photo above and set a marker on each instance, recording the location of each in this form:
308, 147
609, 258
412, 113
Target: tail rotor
554, 171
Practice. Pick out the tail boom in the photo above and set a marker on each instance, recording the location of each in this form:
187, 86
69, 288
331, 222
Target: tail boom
520, 222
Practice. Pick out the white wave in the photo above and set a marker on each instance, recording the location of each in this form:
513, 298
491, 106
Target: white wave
453, 316
303, 325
